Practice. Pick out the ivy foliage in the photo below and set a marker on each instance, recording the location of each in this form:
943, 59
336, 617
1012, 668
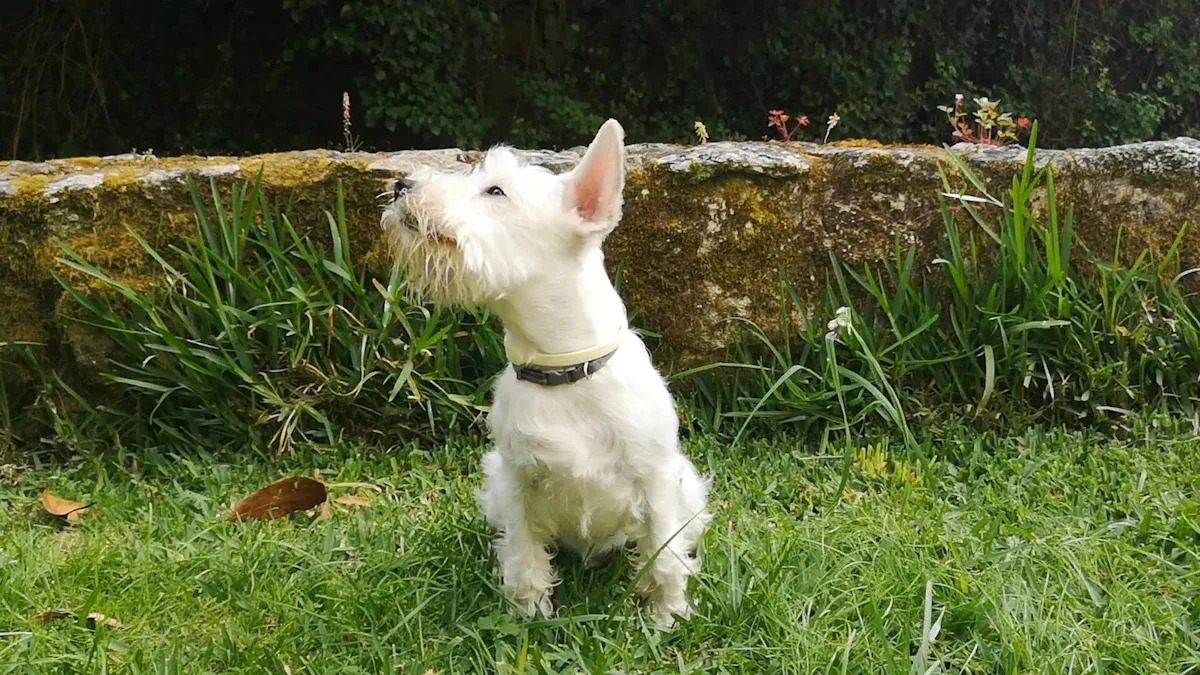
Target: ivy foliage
236, 76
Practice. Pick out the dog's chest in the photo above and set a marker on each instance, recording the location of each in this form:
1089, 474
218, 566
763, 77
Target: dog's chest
623, 411
584, 451
566, 428
584, 507
576, 459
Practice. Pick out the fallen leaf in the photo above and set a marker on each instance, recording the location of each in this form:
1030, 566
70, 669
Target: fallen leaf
280, 498
93, 618
53, 615
353, 501
62, 508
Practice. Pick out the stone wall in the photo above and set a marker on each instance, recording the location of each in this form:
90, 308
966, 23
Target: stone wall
706, 232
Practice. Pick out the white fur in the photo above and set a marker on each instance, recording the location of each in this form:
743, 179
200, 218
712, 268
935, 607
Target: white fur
591, 465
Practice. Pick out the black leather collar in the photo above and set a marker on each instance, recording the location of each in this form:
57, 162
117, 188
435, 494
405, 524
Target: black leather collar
553, 377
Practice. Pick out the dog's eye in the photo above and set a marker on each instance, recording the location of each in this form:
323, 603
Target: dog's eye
494, 191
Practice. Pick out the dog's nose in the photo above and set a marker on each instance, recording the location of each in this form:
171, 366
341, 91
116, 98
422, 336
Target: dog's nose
402, 186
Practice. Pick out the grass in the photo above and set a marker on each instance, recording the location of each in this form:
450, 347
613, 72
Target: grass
1044, 552
897, 543
259, 326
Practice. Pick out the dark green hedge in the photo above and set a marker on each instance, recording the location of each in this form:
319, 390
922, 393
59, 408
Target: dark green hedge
96, 76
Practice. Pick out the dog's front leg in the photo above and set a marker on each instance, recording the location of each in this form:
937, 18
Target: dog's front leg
525, 570
526, 573
663, 547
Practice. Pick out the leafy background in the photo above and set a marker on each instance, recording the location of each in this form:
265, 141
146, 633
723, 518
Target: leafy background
239, 76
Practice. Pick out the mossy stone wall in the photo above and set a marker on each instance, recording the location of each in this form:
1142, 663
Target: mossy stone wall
707, 229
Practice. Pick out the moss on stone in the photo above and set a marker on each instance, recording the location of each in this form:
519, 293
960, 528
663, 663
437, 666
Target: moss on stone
1151, 215
695, 254
869, 143
23, 319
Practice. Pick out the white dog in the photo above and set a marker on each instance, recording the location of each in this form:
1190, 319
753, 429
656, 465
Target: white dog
587, 451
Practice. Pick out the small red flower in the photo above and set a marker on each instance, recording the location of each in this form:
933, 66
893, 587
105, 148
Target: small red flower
1023, 122
803, 120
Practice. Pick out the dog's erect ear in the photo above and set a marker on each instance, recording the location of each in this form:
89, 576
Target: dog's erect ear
594, 187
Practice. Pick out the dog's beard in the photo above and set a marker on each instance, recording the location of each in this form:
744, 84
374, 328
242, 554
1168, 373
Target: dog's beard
434, 264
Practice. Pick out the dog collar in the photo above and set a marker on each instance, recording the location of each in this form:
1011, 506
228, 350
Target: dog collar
550, 370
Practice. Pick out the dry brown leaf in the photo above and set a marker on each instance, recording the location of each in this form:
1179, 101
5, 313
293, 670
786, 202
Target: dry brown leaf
353, 501
62, 508
295, 493
93, 618
53, 615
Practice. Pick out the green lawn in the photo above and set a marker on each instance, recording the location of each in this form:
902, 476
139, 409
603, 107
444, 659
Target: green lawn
1049, 552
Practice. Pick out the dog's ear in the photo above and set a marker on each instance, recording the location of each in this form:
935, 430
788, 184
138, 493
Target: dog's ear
594, 187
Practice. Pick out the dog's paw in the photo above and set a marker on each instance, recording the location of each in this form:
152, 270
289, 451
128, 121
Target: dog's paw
534, 606
666, 612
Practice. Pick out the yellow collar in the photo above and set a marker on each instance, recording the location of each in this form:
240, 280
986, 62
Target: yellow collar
564, 359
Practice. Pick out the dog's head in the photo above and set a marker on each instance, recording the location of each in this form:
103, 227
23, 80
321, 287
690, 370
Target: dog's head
472, 238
